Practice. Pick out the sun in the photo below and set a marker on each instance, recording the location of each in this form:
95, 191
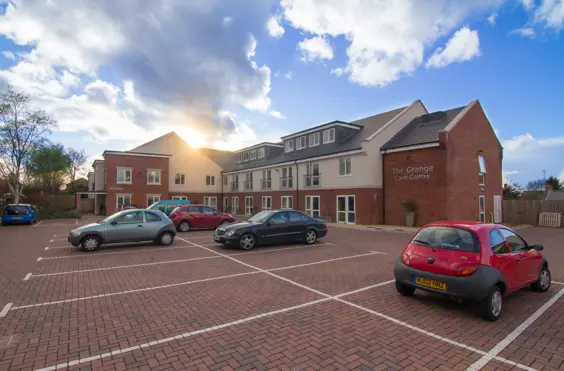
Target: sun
192, 137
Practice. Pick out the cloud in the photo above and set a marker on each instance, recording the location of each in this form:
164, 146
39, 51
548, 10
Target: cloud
186, 61
512, 172
387, 39
527, 4
273, 27
492, 18
551, 14
316, 48
289, 75
463, 46
525, 32
9, 55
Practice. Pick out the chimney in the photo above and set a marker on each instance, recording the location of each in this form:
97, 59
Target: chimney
548, 187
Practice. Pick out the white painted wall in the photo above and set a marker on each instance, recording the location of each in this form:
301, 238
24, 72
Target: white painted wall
100, 176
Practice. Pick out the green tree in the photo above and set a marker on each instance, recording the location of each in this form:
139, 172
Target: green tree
511, 192
555, 183
47, 166
22, 131
536, 185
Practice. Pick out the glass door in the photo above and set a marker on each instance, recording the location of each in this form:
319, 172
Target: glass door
346, 211
249, 205
312, 206
234, 205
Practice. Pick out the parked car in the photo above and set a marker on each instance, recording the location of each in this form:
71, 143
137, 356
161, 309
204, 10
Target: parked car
125, 226
471, 261
19, 214
168, 206
128, 207
190, 217
271, 227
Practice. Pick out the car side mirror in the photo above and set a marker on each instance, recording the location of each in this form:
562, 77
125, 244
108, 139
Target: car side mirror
113, 222
268, 224
537, 247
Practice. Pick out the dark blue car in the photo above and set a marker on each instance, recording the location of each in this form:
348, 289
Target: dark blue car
19, 214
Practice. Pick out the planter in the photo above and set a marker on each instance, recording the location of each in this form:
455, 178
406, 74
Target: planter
410, 218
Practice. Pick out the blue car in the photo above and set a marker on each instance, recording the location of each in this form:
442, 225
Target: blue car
19, 214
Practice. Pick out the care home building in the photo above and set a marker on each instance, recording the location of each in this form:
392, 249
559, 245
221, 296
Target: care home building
447, 163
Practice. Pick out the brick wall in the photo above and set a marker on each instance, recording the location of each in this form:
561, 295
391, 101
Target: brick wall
139, 189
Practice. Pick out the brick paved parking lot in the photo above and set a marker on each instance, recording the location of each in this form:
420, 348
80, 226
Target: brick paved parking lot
196, 305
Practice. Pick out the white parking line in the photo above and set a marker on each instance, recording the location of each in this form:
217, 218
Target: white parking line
514, 334
39, 259
324, 261
27, 276
46, 248
558, 283
86, 255
36, 224
284, 248
5, 309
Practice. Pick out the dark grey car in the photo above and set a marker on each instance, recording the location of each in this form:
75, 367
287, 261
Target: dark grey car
125, 226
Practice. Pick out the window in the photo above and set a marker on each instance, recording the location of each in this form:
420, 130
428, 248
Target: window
238, 157
482, 178
179, 179
152, 217
289, 145
312, 206
295, 217
249, 205
249, 182
329, 136
179, 198
515, 242
210, 180
170, 208
286, 181
266, 202
312, 175
447, 238
124, 175
123, 200
482, 207
253, 154
192, 210
497, 242
208, 210
235, 182
286, 202
345, 166
151, 199
266, 179
130, 218
225, 204
278, 218
225, 181
482, 174
261, 152
210, 201
235, 205
314, 139
153, 176
301, 143
245, 156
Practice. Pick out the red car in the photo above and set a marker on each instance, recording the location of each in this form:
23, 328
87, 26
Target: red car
471, 261
198, 217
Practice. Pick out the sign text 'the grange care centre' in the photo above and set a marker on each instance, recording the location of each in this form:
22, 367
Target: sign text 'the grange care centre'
413, 173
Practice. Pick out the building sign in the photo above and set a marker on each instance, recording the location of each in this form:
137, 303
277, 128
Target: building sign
413, 173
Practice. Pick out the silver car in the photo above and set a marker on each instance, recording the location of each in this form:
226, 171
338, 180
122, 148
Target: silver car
125, 226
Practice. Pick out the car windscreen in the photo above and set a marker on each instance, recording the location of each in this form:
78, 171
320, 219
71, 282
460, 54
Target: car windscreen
261, 217
448, 238
15, 210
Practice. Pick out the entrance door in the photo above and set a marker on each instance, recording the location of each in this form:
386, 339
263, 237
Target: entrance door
346, 210
312, 206
497, 209
235, 205
248, 205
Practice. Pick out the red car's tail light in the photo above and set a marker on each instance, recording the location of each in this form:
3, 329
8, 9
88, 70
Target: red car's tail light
466, 269
324, 225
405, 259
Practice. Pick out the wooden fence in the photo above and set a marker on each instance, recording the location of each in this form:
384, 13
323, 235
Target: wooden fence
527, 211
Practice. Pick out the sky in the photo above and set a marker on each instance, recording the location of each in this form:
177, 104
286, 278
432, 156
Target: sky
223, 75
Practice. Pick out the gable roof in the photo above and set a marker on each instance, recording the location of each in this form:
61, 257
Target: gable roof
423, 129
555, 196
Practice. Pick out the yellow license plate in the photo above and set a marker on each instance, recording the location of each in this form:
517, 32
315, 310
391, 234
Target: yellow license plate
437, 285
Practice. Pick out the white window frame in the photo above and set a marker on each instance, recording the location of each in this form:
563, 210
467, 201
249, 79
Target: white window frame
288, 179
482, 213
301, 143
179, 198
125, 169
482, 179
225, 204
245, 156
234, 202
260, 152
225, 180
289, 145
310, 210
346, 211
498, 208
155, 198
253, 154
179, 178
350, 166
239, 157
314, 139
482, 163
210, 180
249, 205
269, 198
264, 179
123, 196
282, 203
158, 171
207, 202
327, 136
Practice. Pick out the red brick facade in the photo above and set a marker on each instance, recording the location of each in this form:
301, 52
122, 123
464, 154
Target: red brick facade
444, 181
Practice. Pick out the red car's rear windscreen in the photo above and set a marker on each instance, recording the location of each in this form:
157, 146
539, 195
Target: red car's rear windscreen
448, 238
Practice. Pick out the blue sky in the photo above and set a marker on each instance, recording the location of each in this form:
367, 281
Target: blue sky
227, 77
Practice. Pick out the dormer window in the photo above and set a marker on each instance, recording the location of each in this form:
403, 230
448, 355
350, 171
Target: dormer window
301, 143
238, 157
289, 145
253, 154
261, 152
329, 136
245, 156
314, 139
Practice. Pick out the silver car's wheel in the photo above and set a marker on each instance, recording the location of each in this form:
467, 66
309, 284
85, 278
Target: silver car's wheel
90, 243
543, 281
247, 241
166, 238
311, 237
496, 303
184, 227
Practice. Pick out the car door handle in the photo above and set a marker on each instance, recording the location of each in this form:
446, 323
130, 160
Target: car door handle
518, 260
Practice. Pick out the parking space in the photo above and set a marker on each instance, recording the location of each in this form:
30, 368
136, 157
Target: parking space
197, 305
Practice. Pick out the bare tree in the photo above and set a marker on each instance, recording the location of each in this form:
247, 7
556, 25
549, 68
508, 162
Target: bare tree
22, 130
77, 160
